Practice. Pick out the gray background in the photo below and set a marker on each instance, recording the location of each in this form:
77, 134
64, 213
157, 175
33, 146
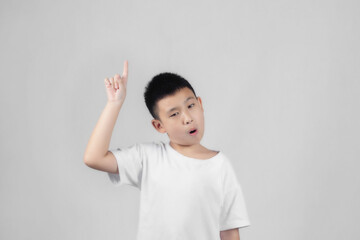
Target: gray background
280, 87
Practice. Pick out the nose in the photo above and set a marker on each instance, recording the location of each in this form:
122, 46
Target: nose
187, 117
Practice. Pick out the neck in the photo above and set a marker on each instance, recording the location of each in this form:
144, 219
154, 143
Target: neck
188, 148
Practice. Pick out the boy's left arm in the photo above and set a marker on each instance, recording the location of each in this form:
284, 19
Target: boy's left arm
230, 234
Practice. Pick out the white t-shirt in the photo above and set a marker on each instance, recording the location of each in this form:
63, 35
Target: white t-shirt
181, 197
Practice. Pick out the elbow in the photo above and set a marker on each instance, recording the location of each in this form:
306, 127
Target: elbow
88, 161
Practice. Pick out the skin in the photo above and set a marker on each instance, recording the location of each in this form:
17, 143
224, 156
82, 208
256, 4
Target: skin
177, 123
231, 234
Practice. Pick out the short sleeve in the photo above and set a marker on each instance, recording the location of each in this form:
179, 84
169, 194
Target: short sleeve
130, 165
233, 210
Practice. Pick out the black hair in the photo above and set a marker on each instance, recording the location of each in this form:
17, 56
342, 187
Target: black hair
162, 85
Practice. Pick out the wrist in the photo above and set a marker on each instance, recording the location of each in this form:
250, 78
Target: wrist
115, 103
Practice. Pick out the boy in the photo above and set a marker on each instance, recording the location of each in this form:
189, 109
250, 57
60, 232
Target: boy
188, 192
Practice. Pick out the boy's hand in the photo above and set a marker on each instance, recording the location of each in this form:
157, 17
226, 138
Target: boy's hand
116, 86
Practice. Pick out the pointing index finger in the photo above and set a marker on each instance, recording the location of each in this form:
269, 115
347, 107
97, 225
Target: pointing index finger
125, 72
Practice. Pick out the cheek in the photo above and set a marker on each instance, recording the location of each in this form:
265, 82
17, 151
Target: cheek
200, 115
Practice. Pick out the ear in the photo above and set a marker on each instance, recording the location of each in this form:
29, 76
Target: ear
200, 102
158, 126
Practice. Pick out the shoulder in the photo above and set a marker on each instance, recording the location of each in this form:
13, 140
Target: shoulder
230, 180
225, 161
150, 147
226, 167
146, 147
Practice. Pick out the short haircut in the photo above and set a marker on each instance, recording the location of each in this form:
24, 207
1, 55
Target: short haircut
163, 85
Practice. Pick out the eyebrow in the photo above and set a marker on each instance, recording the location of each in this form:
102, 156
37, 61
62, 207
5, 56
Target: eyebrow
174, 108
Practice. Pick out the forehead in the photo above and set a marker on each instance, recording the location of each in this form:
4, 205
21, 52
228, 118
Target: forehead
175, 100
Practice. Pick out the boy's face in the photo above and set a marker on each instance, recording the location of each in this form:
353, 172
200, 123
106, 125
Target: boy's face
180, 113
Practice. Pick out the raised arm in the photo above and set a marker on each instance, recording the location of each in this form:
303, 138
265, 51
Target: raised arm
96, 154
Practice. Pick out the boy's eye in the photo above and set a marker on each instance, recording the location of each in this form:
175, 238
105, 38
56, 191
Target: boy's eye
193, 104
174, 114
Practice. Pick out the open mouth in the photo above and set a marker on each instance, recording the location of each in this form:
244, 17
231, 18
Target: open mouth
193, 131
